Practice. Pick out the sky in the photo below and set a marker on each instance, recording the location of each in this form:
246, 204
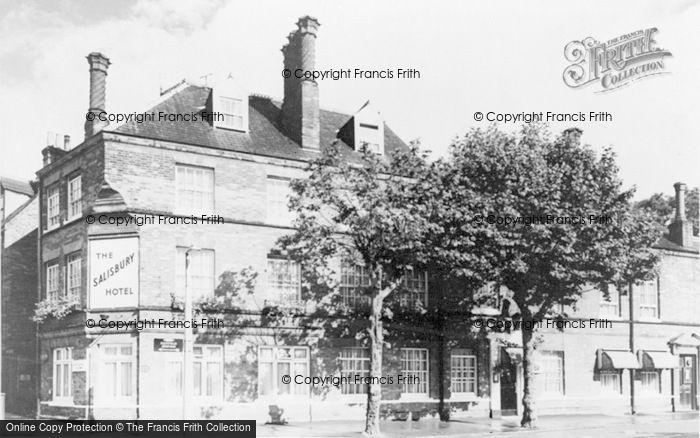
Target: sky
500, 56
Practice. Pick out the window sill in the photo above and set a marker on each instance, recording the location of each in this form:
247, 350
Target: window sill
414, 398
279, 398
611, 395
115, 402
61, 401
353, 398
51, 228
551, 396
462, 396
649, 319
610, 317
654, 395
73, 219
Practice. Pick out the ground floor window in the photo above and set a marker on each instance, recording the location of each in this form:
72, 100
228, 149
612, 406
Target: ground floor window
610, 382
208, 369
354, 362
62, 369
173, 377
414, 370
278, 364
463, 374
207, 372
551, 379
117, 370
650, 382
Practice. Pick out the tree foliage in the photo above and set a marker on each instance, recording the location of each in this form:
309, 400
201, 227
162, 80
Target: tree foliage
543, 258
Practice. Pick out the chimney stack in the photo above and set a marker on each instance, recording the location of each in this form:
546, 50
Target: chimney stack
98, 83
300, 110
573, 136
680, 230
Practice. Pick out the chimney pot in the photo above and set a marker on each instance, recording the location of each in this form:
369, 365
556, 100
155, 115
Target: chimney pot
573, 135
98, 88
66, 142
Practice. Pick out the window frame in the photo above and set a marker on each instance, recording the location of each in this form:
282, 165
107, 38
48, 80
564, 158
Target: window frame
545, 359
196, 277
604, 387
409, 292
277, 211
358, 390
349, 291
366, 131
644, 385
185, 193
73, 290
295, 390
57, 293
53, 221
404, 371
646, 301
72, 201
468, 357
119, 360
274, 294
242, 99
66, 362
204, 360
604, 304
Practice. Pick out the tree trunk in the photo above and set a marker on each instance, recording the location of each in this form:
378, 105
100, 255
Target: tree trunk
374, 393
443, 409
529, 413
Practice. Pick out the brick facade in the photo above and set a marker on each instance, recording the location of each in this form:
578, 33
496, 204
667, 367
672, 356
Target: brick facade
19, 292
131, 171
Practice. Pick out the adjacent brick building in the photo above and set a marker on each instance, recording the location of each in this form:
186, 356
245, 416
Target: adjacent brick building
237, 169
18, 258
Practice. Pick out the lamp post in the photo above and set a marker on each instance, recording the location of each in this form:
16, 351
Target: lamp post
633, 411
2, 249
187, 348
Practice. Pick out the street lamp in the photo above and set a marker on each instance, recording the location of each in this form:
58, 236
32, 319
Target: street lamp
187, 348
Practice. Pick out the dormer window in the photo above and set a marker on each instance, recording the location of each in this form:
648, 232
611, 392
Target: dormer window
364, 131
232, 111
229, 104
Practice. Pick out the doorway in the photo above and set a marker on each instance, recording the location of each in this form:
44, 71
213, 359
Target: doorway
687, 382
509, 395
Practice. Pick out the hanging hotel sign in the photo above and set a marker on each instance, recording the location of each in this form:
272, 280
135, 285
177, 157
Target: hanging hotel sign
114, 273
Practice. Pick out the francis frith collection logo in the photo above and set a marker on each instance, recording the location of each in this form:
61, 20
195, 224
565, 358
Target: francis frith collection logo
614, 63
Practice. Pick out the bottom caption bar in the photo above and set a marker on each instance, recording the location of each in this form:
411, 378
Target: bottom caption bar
128, 428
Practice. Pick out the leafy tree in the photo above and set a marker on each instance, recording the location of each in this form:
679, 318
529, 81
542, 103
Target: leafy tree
364, 211
543, 260
662, 208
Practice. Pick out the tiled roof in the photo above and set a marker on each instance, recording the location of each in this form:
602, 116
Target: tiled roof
17, 186
667, 244
265, 136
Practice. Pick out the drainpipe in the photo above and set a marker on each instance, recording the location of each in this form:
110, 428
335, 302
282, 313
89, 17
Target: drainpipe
631, 301
673, 384
187, 348
2, 249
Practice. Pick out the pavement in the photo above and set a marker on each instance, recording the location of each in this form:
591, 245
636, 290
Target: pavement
671, 425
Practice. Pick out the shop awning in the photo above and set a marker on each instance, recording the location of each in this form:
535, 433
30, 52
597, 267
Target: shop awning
617, 360
658, 359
